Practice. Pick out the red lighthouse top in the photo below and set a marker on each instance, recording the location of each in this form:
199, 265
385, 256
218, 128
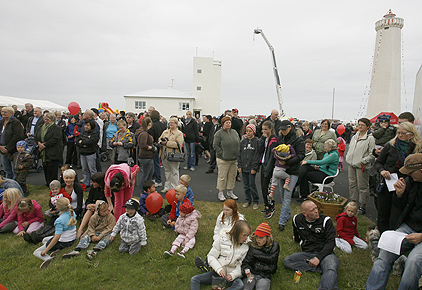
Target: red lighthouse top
389, 14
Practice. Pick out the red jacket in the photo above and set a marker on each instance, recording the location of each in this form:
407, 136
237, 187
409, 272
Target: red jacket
347, 227
174, 213
62, 193
341, 148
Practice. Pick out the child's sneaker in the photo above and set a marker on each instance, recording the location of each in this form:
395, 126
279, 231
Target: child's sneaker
271, 196
286, 187
181, 255
168, 254
47, 262
91, 254
270, 213
54, 253
71, 254
202, 265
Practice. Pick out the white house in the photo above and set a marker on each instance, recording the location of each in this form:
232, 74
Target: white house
205, 98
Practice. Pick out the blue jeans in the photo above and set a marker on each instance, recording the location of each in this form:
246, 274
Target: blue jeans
286, 198
190, 148
258, 283
146, 168
206, 278
88, 167
380, 272
102, 244
328, 267
249, 185
157, 169
8, 167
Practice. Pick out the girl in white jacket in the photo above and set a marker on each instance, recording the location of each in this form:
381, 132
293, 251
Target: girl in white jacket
227, 218
225, 258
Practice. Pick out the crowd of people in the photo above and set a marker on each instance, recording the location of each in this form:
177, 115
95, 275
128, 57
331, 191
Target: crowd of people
290, 154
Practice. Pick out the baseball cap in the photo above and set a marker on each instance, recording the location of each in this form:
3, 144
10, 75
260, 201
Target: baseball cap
131, 203
286, 124
412, 163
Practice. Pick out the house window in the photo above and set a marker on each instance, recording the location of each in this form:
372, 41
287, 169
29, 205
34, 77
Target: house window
199, 71
183, 106
140, 105
198, 88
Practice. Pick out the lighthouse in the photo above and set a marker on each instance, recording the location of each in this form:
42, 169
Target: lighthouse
384, 93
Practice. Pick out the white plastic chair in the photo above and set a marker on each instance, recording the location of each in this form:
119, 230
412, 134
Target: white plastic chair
323, 184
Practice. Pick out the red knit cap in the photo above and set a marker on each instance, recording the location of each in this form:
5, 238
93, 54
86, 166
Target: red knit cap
186, 208
263, 230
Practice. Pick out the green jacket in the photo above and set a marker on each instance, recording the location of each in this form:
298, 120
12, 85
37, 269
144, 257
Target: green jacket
226, 144
319, 141
328, 164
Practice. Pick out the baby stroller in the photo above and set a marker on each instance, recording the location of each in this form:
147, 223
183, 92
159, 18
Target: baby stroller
33, 150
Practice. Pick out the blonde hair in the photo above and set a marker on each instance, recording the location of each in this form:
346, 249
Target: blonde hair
181, 188
63, 205
351, 205
121, 122
55, 184
185, 178
69, 173
416, 138
102, 206
331, 143
238, 228
269, 242
25, 205
13, 196
174, 119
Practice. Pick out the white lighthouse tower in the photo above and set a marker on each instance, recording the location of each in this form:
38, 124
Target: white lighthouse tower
384, 94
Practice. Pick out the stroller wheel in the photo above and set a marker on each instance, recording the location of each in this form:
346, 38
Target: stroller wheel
40, 168
103, 157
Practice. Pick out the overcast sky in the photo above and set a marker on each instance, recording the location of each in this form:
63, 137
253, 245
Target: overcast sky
97, 51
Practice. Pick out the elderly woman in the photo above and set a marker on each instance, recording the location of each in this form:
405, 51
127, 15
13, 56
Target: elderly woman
390, 160
171, 140
132, 125
74, 189
360, 159
50, 145
320, 136
226, 145
317, 170
11, 131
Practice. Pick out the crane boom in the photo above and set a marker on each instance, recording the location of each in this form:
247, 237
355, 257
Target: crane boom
277, 78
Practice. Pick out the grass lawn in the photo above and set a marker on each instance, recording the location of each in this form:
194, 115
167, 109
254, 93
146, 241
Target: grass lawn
150, 270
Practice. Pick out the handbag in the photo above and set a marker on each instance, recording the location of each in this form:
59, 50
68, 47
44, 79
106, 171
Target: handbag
176, 157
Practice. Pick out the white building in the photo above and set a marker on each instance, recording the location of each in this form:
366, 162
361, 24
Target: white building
384, 94
205, 98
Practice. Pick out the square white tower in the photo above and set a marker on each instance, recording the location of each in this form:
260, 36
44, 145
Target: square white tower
206, 86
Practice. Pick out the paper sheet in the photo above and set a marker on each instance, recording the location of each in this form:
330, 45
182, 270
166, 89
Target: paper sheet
390, 241
390, 183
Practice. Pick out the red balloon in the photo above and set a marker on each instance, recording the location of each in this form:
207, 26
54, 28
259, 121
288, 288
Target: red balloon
341, 129
171, 196
73, 108
154, 202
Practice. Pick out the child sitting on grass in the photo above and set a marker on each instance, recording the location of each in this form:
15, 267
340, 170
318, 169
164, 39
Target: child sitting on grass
131, 228
65, 233
184, 180
225, 258
22, 161
149, 187
30, 217
9, 210
169, 220
186, 226
261, 260
56, 192
347, 230
99, 230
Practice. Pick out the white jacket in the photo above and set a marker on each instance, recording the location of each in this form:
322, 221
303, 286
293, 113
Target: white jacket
221, 228
360, 151
132, 229
224, 256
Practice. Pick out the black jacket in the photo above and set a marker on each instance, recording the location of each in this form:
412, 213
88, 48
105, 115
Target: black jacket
135, 126
156, 130
276, 124
53, 142
38, 125
237, 124
191, 131
87, 142
13, 132
382, 136
26, 117
298, 144
316, 237
79, 197
266, 165
95, 194
405, 205
262, 261
250, 152
390, 160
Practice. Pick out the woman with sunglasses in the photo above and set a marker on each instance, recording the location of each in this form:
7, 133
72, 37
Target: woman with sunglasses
390, 160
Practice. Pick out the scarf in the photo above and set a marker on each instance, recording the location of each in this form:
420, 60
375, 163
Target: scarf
404, 148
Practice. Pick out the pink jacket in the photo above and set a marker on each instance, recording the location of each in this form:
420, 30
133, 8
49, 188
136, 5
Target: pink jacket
129, 173
187, 225
35, 216
8, 216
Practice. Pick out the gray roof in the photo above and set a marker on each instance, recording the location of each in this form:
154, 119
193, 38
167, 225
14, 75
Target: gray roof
161, 93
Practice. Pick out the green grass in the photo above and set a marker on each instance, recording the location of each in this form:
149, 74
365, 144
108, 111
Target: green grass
149, 270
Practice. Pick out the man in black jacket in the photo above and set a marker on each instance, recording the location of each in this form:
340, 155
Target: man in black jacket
408, 199
316, 234
156, 131
35, 122
213, 158
273, 118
